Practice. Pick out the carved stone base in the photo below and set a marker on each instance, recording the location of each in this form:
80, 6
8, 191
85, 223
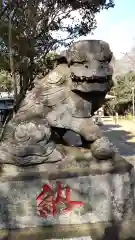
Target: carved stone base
108, 199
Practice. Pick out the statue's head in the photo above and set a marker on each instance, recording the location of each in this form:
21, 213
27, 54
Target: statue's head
89, 62
90, 69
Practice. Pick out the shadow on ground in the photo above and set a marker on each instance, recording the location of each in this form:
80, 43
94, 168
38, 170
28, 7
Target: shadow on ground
120, 139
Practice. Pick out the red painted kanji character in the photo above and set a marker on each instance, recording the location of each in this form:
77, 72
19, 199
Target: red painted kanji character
47, 202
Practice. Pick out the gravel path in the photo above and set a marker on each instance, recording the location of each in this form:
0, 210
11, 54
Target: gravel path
123, 137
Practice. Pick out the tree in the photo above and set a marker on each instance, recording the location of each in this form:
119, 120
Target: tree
38, 26
123, 92
5, 82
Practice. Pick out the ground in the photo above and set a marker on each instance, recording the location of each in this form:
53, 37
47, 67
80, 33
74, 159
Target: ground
123, 136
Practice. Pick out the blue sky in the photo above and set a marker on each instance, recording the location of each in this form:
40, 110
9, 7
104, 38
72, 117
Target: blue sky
117, 27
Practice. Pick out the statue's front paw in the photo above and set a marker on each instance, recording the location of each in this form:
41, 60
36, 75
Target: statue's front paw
103, 149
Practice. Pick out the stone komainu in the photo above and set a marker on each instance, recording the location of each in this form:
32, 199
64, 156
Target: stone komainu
54, 120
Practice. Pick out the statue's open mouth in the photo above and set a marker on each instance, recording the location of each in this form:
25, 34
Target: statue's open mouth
91, 84
92, 91
88, 77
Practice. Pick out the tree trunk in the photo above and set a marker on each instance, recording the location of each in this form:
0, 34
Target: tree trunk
12, 59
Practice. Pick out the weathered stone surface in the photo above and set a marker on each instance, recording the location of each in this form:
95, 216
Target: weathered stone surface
88, 51
63, 119
107, 197
103, 149
58, 108
72, 139
64, 100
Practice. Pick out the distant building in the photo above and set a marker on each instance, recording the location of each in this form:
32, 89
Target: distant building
6, 104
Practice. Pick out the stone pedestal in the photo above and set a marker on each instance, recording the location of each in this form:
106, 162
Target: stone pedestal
107, 192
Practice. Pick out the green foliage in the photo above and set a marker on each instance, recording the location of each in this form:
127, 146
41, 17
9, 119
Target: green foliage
39, 26
30, 29
48, 61
5, 82
123, 92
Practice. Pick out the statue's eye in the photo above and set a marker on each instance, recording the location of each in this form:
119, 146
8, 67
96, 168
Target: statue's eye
86, 66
